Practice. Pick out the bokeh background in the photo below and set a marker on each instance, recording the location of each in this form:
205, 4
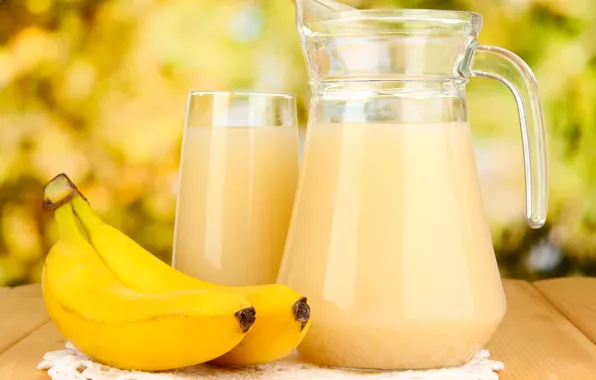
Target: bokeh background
97, 89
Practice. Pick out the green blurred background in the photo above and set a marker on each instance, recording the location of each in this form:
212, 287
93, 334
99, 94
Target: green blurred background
97, 89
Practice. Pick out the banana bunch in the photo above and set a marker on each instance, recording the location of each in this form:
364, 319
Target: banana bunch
121, 305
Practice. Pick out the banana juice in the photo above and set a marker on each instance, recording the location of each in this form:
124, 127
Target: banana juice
389, 243
235, 199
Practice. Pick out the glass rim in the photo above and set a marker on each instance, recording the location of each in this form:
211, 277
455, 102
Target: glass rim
241, 94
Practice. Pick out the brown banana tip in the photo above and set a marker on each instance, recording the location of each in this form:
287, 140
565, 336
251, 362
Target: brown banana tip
301, 311
247, 318
58, 191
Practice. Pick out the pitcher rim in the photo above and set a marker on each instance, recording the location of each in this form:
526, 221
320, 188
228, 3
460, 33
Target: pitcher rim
411, 13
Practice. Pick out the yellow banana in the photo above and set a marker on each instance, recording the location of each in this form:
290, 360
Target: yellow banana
131, 330
283, 315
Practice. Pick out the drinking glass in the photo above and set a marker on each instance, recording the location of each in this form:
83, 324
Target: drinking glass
238, 175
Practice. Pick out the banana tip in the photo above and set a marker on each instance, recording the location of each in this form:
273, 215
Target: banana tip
247, 318
301, 311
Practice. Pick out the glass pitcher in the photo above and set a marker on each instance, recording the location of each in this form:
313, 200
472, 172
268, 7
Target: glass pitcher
388, 237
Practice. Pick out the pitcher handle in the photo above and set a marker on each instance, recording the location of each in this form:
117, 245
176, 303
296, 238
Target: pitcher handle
506, 67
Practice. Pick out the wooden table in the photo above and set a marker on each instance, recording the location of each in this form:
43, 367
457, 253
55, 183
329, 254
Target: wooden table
549, 332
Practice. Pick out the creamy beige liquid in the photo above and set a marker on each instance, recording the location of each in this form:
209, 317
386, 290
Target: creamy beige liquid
234, 203
390, 244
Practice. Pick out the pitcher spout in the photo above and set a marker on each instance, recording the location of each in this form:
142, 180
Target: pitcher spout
311, 10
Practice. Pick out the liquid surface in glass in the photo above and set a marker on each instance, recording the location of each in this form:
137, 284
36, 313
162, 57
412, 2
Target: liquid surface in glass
389, 242
235, 200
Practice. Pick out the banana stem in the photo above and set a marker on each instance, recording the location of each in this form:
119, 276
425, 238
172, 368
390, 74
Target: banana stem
83, 210
59, 191
67, 224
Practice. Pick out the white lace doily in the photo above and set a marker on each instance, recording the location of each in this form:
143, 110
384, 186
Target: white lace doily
71, 364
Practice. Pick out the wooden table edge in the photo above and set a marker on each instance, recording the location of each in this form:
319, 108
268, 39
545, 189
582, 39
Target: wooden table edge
43, 327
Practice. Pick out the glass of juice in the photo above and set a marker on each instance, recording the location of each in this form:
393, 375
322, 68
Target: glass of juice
238, 175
